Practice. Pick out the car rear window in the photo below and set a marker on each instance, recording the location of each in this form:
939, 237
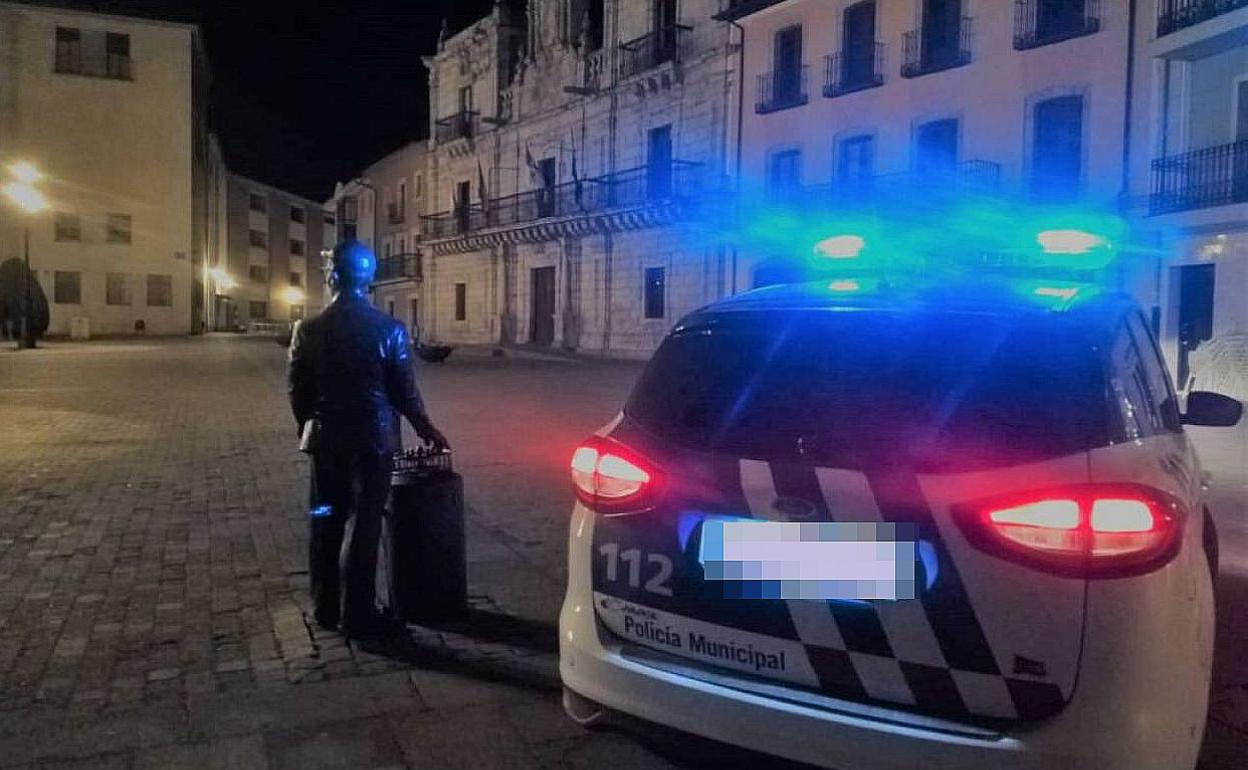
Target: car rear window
940, 392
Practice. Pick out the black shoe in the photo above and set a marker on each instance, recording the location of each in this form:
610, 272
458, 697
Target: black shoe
326, 620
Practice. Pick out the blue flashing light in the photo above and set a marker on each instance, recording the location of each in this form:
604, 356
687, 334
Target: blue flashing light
1069, 241
840, 247
321, 511
1061, 292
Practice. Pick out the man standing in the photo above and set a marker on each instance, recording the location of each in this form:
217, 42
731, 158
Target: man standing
350, 376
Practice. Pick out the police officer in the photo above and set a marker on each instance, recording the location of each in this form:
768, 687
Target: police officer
350, 371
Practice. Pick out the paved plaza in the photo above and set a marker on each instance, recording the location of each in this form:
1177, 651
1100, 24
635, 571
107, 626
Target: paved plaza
153, 608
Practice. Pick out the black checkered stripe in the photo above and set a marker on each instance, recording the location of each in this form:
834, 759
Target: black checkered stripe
931, 655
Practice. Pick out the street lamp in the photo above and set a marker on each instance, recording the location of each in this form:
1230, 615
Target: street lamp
27, 197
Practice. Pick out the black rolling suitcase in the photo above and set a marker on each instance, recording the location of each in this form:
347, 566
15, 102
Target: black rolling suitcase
428, 575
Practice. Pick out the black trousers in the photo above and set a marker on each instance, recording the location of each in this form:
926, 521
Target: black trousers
349, 490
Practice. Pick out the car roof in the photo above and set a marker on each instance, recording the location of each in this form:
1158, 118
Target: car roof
997, 296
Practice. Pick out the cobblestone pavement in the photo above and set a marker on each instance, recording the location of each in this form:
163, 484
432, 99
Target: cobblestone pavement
153, 585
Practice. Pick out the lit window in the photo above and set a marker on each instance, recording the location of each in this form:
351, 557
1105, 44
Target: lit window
119, 228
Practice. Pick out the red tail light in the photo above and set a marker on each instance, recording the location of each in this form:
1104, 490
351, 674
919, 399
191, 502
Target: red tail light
609, 477
1093, 531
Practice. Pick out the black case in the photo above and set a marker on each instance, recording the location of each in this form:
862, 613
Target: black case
427, 551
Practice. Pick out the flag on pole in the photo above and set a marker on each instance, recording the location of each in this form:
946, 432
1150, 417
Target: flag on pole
535, 173
482, 193
576, 174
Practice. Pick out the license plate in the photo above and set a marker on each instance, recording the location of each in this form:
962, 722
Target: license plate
751, 559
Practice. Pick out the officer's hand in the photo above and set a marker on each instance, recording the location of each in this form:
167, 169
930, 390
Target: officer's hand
434, 438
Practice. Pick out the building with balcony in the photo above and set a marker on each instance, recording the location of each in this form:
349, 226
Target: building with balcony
573, 142
113, 111
915, 102
271, 271
1190, 179
401, 182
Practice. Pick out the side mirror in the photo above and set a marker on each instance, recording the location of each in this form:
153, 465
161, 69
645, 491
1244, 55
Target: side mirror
1212, 409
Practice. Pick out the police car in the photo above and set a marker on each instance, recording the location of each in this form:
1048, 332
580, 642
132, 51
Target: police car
1018, 441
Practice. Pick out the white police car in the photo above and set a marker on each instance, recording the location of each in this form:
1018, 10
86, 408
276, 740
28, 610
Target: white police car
1024, 434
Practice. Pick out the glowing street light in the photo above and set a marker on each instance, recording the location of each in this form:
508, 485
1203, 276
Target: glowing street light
222, 279
293, 295
27, 197
24, 172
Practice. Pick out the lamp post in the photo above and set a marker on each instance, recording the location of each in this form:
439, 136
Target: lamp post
26, 196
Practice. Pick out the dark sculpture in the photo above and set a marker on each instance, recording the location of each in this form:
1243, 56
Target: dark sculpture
13, 299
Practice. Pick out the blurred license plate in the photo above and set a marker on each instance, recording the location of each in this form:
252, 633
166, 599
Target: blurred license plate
751, 559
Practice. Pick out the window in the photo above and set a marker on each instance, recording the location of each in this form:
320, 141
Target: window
258, 310
858, 67
297, 312
855, 160
390, 308
296, 280
656, 292
258, 273
549, 173
328, 219
117, 56
296, 247
119, 228
116, 289
463, 193
67, 288
659, 162
784, 173
749, 381
68, 50
936, 146
159, 290
95, 53
296, 214
258, 239
402, 201
66, 227
465, 99
419, 189
461, 302
1146, 401
1057, 148
257, 203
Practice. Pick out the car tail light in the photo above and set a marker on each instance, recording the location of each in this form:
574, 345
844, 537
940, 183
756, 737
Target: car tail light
1093, 531
610, 477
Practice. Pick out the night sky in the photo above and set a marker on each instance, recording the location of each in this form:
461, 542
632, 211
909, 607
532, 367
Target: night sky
306, 94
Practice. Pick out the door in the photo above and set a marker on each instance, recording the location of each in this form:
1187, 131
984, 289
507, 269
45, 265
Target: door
858, 44
542, 319
659, 162
546, 196
787, 73
664, 28
941, 22
936, 147
1058, 18
413, 319
1057, 148
1195, 312
463, 194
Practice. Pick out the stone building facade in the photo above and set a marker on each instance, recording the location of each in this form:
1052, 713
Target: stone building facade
573, 146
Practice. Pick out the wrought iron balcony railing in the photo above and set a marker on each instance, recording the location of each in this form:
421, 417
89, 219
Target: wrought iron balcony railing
1174, 15
936, 47
649, 51
1213, 176
1041, 22
857, 67
633, 187
400, 266
461, 125
395, 214
780, 90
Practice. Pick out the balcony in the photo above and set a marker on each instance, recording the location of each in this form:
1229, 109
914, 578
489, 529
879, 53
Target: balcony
780, 90
1174, 15
649, 51
395, 214
970, 177
634, 187
461, 125
935, 48
399, 267
1214, 176
1042, 22
856, 68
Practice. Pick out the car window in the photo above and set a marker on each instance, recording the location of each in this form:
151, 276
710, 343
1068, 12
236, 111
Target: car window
1156, 377
1140, 413
944, 391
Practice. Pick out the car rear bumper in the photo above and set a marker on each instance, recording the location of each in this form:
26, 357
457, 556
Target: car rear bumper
1119, 720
